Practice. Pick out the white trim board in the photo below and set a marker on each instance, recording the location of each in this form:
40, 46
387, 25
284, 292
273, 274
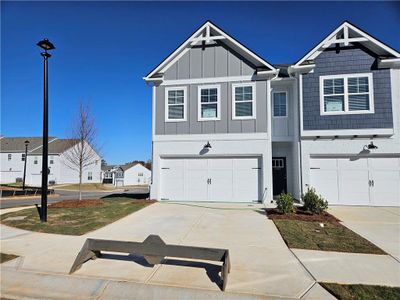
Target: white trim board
286, 105
210, 80
199, 103
346, 94
348, 132
198, 36
211, 137
331, 38
167, 119
253, 101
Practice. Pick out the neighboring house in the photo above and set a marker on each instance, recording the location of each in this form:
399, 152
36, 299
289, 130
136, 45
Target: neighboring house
112, 174
136, 174
124, 175
229, 126
13, 159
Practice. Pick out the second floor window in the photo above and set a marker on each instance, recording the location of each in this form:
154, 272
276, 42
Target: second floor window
89, 176
279, 102
346, 94
244, 101
9, 156
209, 103
175, 104
51, 160
35, 161
23, 157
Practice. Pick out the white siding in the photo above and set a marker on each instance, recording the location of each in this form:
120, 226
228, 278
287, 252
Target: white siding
131, 175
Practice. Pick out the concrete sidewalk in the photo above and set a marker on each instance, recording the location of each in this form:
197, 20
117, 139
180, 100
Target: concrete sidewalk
379, 225
351, 268
262, 265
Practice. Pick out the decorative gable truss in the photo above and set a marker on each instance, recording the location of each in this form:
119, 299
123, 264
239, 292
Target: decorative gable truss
345, 35
209, 34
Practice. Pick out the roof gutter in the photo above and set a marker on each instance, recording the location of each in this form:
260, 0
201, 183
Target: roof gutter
301, 69
389, 63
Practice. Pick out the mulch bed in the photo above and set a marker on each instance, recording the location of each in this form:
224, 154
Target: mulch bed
301, 215
77, 203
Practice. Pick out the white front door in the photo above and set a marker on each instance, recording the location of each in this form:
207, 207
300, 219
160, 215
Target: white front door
357, 181
211, 179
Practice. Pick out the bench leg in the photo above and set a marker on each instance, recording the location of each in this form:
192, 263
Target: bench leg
83, 256
226, 268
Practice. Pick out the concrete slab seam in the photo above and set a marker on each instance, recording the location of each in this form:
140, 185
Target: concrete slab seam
102, 289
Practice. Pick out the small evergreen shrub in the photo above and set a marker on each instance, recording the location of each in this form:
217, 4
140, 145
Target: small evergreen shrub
285, 203
313, 202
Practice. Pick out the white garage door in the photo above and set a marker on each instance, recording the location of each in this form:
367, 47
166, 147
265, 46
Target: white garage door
363, 181
211, 179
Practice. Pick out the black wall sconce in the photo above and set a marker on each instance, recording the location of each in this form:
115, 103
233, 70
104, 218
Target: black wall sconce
370, 146
207, 146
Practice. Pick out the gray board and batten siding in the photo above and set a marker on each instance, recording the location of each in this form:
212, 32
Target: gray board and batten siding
211, 61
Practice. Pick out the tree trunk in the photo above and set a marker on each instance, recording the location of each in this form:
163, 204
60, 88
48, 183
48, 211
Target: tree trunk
80, 181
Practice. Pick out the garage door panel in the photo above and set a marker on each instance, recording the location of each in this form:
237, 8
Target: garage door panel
325, 183
220, 188
386, 187
196, 184
246, 185
360, 181
211, 179
353, 187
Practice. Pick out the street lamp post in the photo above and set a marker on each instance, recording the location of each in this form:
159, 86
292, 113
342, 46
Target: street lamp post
26, 158
45, 45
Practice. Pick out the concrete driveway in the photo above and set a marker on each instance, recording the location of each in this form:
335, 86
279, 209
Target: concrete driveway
379, 225
261, 263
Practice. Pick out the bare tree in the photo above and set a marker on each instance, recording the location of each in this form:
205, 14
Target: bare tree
82, 149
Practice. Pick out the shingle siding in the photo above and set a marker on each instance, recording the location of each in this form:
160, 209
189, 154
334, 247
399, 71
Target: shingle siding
349, 60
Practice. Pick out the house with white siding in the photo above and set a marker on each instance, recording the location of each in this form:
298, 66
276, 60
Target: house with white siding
230, 126
126, 175
13, 160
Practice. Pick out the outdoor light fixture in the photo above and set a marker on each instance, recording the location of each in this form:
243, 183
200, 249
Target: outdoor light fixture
370, 146
207, 146
46, 46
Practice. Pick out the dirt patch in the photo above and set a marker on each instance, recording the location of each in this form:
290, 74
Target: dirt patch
301, 215
143, 201
77, 203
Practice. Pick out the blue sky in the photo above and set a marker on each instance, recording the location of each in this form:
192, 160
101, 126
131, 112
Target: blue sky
105, 48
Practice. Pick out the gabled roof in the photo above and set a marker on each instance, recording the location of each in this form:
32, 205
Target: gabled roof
345, 34
209, 33
17, 144
57, 146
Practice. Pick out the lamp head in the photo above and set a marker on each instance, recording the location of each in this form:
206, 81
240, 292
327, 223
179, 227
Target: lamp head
46, 45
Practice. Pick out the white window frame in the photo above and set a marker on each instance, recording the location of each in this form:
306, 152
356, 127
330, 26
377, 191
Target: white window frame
175, 88
9, 157
205, 87
273, 104
345, 78
253, 91
90, 176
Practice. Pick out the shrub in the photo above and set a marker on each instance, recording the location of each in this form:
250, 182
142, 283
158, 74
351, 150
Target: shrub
314, 203
285, 203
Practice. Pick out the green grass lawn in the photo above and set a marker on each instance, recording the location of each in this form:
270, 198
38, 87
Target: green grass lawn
333, 237
86, 187
360, 291
75, 221
6, 257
